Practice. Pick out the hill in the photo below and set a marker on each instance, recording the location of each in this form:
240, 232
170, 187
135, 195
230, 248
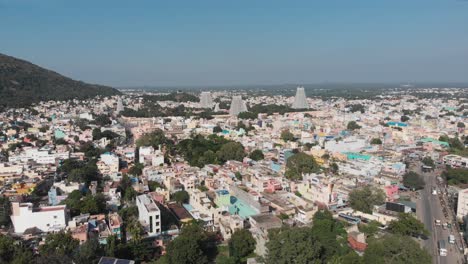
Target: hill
23, 83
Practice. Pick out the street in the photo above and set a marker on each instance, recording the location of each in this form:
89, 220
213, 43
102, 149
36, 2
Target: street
430, 208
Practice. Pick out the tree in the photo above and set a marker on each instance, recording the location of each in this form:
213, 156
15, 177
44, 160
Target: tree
247, 115
352, 125
286, 135
102, 120
93, 204
238, 175
299, 164
365, 198
135, 229
461, 125
154, 139
231, 151
334, 168
181, 197
293, 245
413, 180
393, 249
5, 211
217, 129
192, 246
11, 252
407, 225
183, 250
370, 229
428, 161
330, 233
136, 169
404, 118
89, 252
62, 244
241, 245
256, 155
376, 141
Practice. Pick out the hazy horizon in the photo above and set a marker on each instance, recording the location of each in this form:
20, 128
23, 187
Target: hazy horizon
213, 43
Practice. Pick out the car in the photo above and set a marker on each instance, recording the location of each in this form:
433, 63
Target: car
437, 222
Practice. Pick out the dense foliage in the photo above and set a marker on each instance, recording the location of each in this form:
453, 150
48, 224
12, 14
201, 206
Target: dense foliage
320, 243
407, 225
79, 171
352, 125
241, 245
299, 164
256, 155
200, 150
456, 176
23, 83
365, 198
286, 135
413, 180
193, 245
394, 249
82, 204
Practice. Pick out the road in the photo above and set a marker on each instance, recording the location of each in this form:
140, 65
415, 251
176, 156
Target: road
429, 208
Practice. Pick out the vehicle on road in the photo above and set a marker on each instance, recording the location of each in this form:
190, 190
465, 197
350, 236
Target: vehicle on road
444, 226
434, 191
451, 239
442, 248
437, 222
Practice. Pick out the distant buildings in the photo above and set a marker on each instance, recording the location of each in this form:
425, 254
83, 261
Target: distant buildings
149, 214
205, 100
300, 101
237, 106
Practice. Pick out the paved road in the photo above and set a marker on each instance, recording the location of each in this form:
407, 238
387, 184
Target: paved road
429, 208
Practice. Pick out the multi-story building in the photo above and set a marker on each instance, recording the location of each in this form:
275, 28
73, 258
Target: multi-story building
47, 218
462, 207
108, 164
149, 214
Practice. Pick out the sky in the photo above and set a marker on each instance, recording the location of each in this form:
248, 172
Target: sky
198, 42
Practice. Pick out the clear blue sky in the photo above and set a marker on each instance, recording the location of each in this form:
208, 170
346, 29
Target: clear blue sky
230, 42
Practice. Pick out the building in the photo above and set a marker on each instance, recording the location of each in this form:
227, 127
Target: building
300, 100
149, 214
108, 164
462, 207
237, 106
455, 161
47, 218
115, 224
205, 100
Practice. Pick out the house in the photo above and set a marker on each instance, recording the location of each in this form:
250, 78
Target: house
108, 164
115, 224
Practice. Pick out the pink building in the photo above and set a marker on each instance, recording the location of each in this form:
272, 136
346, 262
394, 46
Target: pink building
391, 192
272, 185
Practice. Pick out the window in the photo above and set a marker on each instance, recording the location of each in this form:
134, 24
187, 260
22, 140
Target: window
151, 224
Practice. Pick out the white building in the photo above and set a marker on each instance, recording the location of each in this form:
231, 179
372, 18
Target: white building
47, 218
455, 161
108, 164
462, 207
149, 214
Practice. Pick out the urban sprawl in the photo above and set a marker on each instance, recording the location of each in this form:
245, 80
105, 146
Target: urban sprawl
236, 177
